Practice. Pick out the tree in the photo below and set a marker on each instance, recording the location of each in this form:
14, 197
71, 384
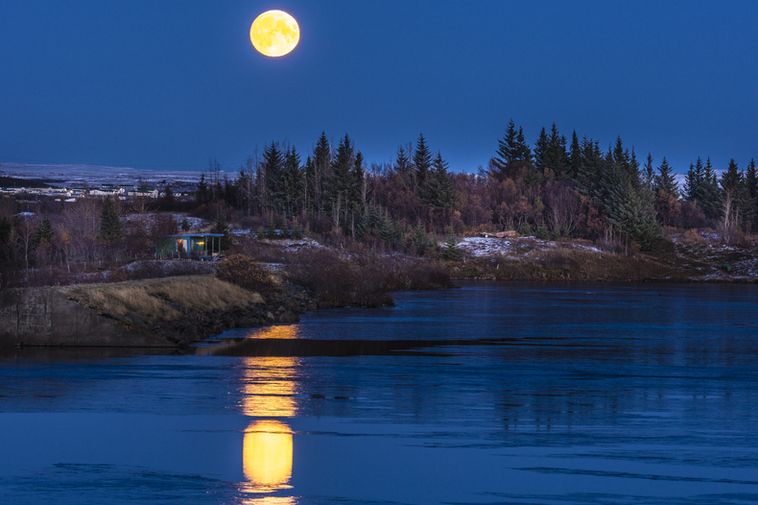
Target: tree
731, 184
575, 157
507, 152
110, 223
665, 180
422, 164
649, 176
751, 190
292, 182
317, 172
202, 194
271, 180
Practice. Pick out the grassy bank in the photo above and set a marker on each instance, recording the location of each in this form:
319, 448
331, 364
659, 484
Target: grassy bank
180, 308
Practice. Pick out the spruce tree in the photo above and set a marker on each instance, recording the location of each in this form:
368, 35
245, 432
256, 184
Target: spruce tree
110, 224
507, 152
751, 190
665, 180
541, 148
271, 171
691, 184
710, 192
422, 164
341, 183
292, 184
733, 196
575, 157
649, 176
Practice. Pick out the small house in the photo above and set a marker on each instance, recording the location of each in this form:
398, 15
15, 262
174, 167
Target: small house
203, 246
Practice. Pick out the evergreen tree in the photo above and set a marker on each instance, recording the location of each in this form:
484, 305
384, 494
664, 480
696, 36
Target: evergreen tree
271, 181
507, 152
523, 152
110, 224
422, 164
575, 157
557, 158
403, 164
440, 187
649, 176
691, 184
731, 185
202, 195
292, 184
710, 192
318, 172
341, 183
665, 180
751, 190
541, 148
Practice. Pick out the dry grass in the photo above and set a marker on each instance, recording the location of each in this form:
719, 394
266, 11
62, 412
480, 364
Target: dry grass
167, 299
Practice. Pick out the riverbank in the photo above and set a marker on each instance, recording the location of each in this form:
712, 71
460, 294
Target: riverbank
164, 312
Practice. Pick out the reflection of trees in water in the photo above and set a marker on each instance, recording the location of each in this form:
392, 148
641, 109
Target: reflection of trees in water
269, 386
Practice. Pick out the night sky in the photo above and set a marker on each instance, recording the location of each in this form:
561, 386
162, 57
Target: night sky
172, 83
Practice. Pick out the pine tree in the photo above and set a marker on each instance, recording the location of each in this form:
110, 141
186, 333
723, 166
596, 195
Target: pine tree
691, 184
110, 224
557, 159
507, 152
731, 184
649, 176
422, 164
665, 180
541, 148
44, 233
440, 187
272, 182
523, 152
202, 195
710, 192
751, 190
575, 157
341, 184
318, 171
292, 184
403, 164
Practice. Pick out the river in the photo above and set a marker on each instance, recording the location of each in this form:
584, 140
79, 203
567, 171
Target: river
549, 394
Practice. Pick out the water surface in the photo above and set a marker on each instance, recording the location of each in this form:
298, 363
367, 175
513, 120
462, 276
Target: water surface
596, 394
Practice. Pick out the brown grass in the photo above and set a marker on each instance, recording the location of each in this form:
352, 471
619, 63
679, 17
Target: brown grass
168, 299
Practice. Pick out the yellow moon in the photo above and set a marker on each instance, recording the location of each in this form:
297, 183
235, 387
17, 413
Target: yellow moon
274, 33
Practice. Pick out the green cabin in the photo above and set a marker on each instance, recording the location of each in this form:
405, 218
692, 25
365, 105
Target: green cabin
202, 246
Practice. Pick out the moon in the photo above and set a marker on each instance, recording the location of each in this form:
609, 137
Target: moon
274, 33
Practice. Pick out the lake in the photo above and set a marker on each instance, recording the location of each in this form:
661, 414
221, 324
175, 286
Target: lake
531, 394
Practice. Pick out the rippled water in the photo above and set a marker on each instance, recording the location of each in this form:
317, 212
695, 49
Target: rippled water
593, 395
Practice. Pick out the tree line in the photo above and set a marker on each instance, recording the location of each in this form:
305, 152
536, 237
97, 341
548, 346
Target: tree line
555, 188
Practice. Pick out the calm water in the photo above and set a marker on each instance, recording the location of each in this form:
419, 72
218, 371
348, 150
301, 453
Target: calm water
597, 395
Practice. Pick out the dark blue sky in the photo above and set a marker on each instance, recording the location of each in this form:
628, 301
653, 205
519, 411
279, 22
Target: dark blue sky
172, 83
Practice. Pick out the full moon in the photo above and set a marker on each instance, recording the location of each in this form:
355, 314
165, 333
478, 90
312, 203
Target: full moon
274, 33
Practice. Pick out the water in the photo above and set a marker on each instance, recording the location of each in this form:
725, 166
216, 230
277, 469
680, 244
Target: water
595, 394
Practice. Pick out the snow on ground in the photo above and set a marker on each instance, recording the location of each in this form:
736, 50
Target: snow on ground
196, 224
481, 247
293, 245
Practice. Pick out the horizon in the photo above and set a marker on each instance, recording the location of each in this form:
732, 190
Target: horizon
134, 87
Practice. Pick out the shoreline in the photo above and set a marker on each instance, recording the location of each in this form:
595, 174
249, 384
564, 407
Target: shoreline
83, 317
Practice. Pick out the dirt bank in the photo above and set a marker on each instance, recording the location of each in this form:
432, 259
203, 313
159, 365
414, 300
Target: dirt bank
166, 312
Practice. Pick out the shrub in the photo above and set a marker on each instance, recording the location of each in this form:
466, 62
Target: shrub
245, 273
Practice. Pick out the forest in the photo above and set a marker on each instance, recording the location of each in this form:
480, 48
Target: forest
556, 188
